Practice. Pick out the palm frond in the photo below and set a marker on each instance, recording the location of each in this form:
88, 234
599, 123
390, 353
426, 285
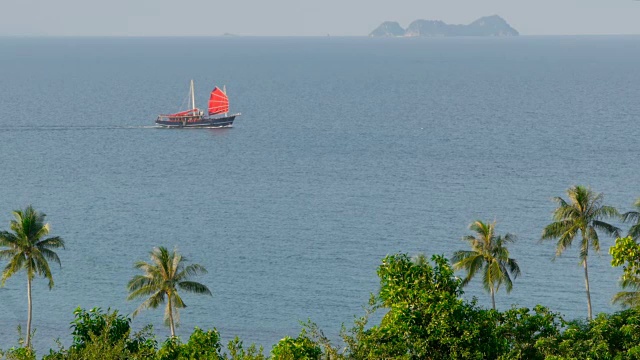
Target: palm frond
566, 239
514, 268
606, 212
41, 266
630, 281
191, 270
561, 202
631, 216
8, 253
40, 231
634, 231
143, 291
472, 265
151, 303
50, 256
176, 264
15, 264
593, 240
194, 287
177, 301
459, 256
607, 228
566, 212
508, 238
505, 278
139, 281
557, 229
55, 242
627, 299
8, 239
486, 279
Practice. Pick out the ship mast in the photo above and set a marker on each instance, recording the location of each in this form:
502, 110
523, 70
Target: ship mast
193, 98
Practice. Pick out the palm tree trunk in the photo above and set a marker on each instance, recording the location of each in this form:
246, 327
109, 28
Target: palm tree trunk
586, 281
173, 329
493, 298
28, 342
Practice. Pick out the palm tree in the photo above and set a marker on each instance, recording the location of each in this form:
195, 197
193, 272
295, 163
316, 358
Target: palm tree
634, 216
582, 214
490, 255
28, 249
163, 276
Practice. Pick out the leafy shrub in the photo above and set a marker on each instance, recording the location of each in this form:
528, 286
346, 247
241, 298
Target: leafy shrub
19, 353
524, 332
425, 317
115, 327
608, 336
203, 345
237, 351
105, 335
301, 347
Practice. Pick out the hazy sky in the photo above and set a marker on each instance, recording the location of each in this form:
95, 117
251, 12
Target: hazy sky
304, 17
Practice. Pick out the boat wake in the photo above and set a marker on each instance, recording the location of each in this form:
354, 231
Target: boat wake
73, 128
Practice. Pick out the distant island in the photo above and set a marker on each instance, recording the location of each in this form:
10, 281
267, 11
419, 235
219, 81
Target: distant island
485, 26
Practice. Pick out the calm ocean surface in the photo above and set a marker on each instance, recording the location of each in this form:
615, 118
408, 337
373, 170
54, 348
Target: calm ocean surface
348, 149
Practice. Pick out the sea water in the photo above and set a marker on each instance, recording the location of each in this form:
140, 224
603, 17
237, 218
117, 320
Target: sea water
348, 149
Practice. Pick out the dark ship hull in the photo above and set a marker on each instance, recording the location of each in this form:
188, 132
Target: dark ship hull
196, 121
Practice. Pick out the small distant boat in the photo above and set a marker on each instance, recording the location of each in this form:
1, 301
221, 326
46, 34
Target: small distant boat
218, 114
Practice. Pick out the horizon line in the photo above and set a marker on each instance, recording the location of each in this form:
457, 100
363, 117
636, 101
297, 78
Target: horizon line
305, 36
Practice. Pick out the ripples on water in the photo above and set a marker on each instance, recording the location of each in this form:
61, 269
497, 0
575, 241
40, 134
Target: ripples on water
348, 149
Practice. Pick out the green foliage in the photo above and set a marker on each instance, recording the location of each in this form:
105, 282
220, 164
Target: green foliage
316, 335
425, 317
206, 345
524, 332
97, 347
422, 317
105, 335
626, 253
19, 353
614, 336
302, 348
96, 322
237, 351
203, 345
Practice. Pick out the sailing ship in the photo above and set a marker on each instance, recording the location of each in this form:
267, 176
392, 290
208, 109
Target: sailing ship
217, 116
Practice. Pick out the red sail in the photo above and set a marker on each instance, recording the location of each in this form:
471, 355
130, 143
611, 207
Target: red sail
218, 102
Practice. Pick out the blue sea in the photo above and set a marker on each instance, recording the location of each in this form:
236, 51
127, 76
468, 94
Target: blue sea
348, 149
